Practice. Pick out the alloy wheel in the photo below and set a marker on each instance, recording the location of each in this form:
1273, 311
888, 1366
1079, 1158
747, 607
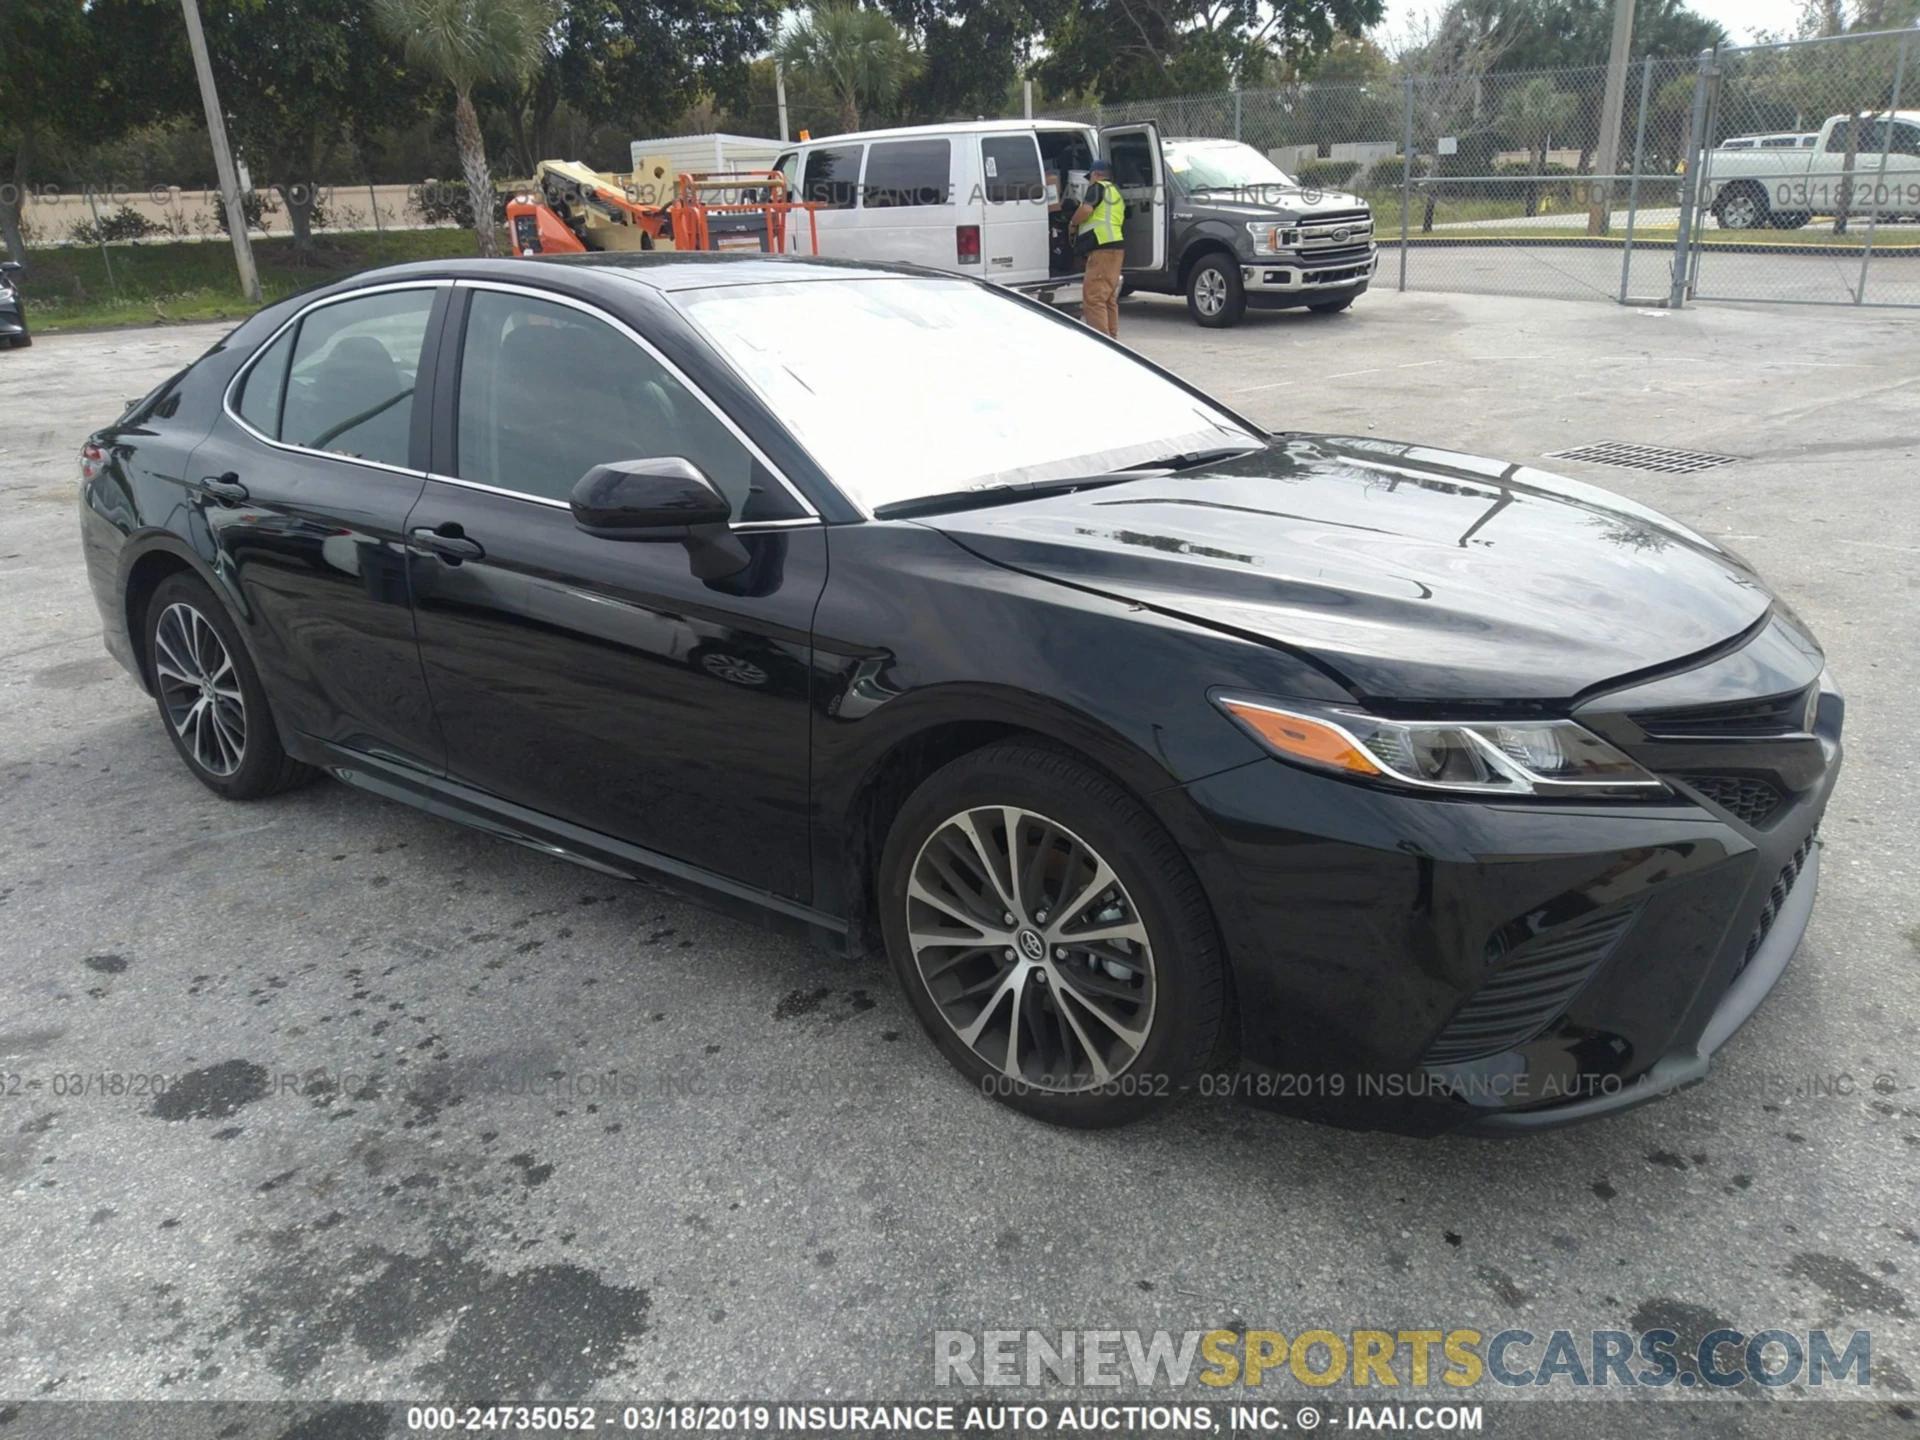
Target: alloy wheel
1739, 212
1031, 948
200, 689
1210, 291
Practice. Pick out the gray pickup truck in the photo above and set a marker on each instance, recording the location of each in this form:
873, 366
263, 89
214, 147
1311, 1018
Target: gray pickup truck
1234, 230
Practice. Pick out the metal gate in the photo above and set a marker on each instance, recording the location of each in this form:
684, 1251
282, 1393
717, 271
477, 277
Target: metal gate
1802, 182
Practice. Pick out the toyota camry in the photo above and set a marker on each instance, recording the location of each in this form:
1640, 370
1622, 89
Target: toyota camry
1156, 752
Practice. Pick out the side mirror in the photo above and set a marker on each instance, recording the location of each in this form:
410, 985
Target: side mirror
11, 267
652, 499
661, 498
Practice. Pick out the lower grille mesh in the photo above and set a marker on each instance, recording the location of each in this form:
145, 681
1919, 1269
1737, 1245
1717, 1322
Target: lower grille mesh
1752, 800
1537, 981
1777, 897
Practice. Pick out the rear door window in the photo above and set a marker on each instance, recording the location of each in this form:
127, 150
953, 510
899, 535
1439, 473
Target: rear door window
833, 177
350, 387
265, 384
1010, 169
908, 172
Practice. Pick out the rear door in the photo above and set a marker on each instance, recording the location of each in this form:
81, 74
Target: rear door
907, 203
1140, 171
308, 481
1013, 230
600, 681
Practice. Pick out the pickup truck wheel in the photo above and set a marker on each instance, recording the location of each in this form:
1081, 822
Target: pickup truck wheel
1215, 296
1742, 207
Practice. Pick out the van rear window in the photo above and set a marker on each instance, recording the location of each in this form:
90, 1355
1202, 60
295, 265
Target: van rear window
1010, 169
832, 178
908, 172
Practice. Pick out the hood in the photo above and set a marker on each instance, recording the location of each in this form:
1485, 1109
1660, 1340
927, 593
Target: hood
1275, 202
1415, 574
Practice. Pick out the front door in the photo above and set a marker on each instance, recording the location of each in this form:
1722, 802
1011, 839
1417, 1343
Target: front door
1140, 172
305, 489
600, 681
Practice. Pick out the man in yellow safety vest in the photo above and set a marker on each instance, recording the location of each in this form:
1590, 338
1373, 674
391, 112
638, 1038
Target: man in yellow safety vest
1099, 228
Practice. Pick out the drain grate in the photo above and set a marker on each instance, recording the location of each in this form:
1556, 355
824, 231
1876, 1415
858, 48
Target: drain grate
1646, 457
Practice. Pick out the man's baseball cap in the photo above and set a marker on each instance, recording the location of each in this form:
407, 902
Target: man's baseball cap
1099, 164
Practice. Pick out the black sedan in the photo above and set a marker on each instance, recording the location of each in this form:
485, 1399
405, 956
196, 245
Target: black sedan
1156, 752
13, 309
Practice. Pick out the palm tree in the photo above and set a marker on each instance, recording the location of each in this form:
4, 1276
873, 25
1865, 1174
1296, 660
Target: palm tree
857, 54
467, 43
1531, 115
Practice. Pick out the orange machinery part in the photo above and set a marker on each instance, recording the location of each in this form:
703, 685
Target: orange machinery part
691, 208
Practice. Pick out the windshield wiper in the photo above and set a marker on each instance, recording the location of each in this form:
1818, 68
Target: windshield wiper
1003, 494
1059, 485
1187, 459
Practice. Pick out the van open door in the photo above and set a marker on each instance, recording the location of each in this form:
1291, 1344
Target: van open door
1140, 172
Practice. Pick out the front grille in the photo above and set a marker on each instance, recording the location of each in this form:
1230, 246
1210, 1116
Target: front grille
1777, 897
1329, 277
1533, 987
1334, 219
1770, 715
1345, 255
1752, 800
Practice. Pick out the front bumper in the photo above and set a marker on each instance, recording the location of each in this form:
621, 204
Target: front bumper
1304, 276
1371, 933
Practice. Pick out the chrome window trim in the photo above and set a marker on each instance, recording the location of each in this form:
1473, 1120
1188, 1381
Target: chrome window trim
260, 351
811, 515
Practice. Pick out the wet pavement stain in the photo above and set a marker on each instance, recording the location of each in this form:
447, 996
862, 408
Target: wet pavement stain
800, 1002
213, 1093
551, 1332
1847, 1285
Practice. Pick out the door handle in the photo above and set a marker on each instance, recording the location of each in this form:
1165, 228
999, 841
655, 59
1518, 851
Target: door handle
448, 541
225, 489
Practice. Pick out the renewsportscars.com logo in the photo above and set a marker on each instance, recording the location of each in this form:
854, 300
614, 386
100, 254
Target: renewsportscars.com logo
1720, 1359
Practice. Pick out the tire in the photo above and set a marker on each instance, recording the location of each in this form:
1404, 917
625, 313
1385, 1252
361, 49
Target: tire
1332, 307
1742, 206
210, 697
1215, 296
1161, 984
21, 341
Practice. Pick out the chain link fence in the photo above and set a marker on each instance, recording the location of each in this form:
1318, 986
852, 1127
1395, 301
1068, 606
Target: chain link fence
1523, 183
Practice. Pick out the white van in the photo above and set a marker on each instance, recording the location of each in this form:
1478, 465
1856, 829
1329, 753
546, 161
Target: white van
1210, 219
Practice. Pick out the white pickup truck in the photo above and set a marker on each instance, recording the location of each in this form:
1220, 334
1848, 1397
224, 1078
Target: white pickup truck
1753, 187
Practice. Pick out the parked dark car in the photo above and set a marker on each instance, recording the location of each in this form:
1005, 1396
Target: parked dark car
1390, 785
13, 307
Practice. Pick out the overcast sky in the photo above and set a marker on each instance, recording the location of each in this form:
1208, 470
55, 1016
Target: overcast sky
1740, 18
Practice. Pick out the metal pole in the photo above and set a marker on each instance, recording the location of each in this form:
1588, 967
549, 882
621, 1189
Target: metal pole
1026, 96
1633, 185
1707, 151
222, 156
1236, 112
1690, 183
1612, 109
1880, 177
780, 96
1406, 184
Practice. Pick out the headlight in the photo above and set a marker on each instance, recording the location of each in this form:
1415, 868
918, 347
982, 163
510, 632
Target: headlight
1481, 757
1272, 239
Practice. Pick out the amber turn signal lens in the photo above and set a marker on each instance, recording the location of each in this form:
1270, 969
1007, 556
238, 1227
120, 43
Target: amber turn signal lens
1302, 738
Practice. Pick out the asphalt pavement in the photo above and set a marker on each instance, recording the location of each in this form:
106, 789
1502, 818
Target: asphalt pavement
372, 1164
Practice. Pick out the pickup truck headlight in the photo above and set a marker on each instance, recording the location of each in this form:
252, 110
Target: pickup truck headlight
1481, 757
1272, 239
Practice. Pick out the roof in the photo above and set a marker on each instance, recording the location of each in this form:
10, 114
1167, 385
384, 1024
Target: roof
709, 137
655, 269
956, 127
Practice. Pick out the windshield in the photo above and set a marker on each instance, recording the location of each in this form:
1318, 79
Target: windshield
1223, 165
906, 388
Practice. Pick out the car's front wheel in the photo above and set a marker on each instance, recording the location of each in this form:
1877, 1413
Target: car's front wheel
1051, 937
210, 695
1215, 296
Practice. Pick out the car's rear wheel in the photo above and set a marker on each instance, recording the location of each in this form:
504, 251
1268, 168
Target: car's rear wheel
1215, 296
22, 340
210, 696
1051, 937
